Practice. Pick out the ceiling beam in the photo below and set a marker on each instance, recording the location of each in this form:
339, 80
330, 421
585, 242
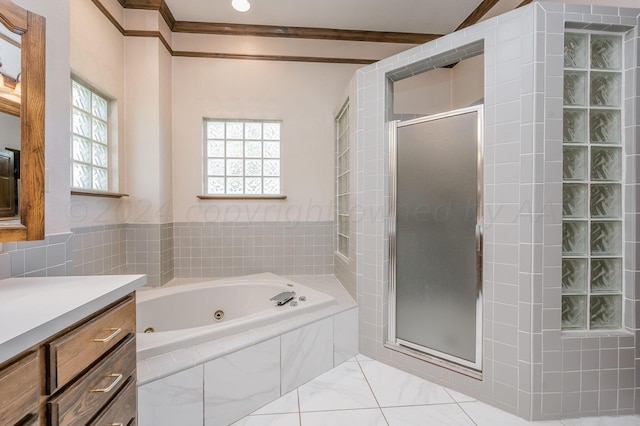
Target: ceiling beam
275, 31
186, 54
478, 13
524, 3
301, 32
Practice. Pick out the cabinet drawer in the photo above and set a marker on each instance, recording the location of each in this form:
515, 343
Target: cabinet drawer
19, 389
120, 411
30, 420
78, 349
81, 401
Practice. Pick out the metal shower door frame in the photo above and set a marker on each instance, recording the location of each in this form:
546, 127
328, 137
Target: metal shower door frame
392, 340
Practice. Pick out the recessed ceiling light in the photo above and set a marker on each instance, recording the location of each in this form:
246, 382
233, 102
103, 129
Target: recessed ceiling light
241, 5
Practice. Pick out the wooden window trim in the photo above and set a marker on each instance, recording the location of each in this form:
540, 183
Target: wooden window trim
91, 193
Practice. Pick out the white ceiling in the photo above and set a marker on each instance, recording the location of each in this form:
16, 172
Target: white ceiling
414, 16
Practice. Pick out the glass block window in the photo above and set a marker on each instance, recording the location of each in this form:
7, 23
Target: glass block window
342, 180
89, 139
592, 228
242, 157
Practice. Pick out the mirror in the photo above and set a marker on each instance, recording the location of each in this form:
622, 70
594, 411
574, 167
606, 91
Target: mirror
10, 93
22, 91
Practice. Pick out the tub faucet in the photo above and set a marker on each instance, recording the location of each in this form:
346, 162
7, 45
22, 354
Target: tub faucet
283, 298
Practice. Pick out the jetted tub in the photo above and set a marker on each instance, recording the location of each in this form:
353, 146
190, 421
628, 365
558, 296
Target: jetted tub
185, 315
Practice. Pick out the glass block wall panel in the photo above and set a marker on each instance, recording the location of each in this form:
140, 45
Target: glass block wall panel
242, 157
575, 125
90, 166
574, 312
592, 227
342, 180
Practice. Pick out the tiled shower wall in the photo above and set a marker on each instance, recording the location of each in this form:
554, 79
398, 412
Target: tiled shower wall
530, 367
583, 373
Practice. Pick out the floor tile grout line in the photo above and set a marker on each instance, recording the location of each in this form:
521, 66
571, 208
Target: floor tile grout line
460, 406
272, 414
372, 392
299, 410
347, 409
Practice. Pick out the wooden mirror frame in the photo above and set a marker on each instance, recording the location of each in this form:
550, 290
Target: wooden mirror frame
31, 27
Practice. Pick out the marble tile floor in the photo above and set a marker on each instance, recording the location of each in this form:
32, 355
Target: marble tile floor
364, 392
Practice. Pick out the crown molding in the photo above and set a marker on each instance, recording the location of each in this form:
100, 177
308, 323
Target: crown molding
275, 31
213, 55
159, 5
477, 14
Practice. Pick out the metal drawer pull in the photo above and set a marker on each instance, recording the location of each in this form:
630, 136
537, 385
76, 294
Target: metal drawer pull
111, 386
115, 424
110, 337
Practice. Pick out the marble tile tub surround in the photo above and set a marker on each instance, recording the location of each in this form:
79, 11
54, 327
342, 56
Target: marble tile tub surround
365, 392
219, 382
531, 368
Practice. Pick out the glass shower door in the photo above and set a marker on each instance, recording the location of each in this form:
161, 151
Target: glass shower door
436, 236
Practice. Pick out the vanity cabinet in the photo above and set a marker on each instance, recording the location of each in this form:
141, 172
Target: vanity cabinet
20, 384
85, 374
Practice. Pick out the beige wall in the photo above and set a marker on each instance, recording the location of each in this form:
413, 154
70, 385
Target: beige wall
9, 54
441, 89
302, 95
10, 133
425, 94
142, 129
165, 169
467, 82
97, 58
162, 101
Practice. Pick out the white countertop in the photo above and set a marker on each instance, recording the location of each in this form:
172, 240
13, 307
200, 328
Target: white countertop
33, 309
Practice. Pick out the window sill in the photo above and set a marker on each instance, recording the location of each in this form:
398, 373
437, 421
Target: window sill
90, 193
242, 197
617, 332
342, 257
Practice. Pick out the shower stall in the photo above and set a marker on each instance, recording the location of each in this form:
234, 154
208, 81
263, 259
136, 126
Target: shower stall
436, 227
560, 281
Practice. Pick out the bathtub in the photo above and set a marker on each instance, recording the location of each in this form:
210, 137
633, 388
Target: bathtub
182, 316
196, 370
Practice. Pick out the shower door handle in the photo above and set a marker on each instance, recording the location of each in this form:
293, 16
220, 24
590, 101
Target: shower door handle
479, 237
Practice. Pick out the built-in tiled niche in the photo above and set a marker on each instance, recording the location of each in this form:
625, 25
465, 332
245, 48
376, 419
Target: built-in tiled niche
592, 227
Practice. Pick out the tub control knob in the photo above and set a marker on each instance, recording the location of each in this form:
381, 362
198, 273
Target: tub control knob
293, 303
302, 298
